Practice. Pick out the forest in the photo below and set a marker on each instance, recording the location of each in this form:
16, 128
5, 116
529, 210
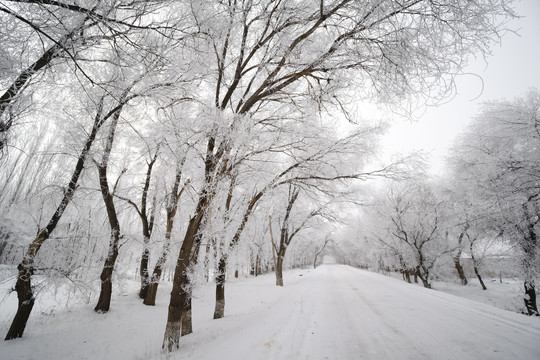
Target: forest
193, 141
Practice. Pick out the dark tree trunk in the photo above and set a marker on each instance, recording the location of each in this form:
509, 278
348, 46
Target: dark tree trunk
104, 301
423, 274
257, 265
180, 296
479, 277
23, 285
187, 324
457, 258
530, 298
406, 275
150, 298
26, 303
171, 209
459, 268
219, 310
279, 267
529, 247
475, 267
145, 277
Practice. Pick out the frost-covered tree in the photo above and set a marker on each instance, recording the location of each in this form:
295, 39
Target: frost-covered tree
43, 34
308, 55
412, 227
499, 157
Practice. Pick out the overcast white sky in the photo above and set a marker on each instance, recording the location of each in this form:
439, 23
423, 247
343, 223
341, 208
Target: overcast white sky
513, 68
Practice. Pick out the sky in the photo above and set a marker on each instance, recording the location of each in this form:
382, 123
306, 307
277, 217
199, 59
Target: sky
510, 71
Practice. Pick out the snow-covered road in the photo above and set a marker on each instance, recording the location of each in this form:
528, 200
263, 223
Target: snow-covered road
334, 312
337, 312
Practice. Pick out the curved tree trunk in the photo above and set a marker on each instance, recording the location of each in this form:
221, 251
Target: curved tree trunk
104, 301
459, 268
26, 301
23, 285
475, 267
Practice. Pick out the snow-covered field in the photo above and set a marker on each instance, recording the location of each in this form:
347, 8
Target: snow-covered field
333, 312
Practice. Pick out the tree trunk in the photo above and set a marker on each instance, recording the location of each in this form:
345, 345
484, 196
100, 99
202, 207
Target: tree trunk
147, 227
104, 301
143, 271
180, 296
475, 267
257, 265
406, 275
424, 277
26, 302
530, 298
279, 269
219, 310
459, 268
23, 285
150, 298
479, 277
187, 324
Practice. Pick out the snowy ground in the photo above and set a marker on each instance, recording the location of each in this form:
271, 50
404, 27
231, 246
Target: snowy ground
333, 312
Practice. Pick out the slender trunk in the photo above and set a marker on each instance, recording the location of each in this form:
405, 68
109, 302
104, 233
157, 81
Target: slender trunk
459, 268
279, 268
143, 272
530, 298
171, 208
150, 298
406, 275
219, 310
104, 301
23, 285
257, 265
475, 267
479, 277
